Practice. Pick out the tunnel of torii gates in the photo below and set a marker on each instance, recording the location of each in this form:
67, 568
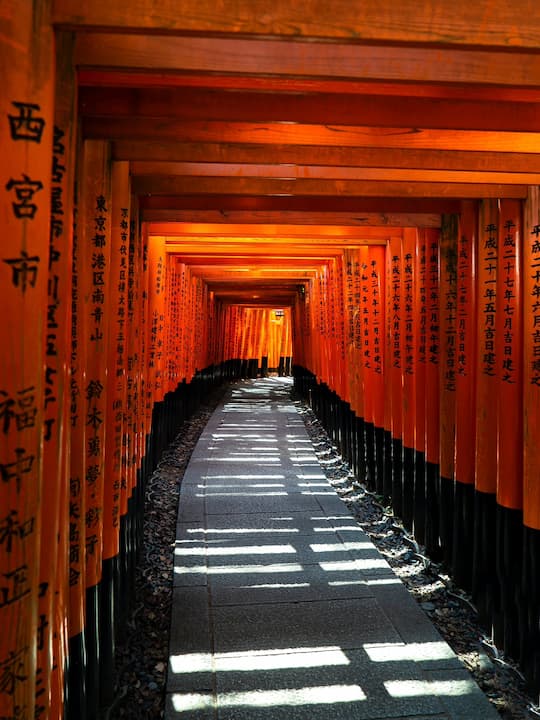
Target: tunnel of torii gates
151, 248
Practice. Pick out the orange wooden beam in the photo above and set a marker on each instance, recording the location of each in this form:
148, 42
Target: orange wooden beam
249, 232
227, 204
485, 23
156, 185
323, 172
312, 219
155, 150
185, 103
304, 134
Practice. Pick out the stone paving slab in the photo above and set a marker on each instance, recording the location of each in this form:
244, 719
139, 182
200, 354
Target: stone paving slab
282, 607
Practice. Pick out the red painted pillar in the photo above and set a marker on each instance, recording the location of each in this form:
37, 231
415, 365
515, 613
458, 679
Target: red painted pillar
465, 396
530, 583
509, 349
396, 288
432, 393
485, 590
409, 341
26, 139
448, 380
421, 321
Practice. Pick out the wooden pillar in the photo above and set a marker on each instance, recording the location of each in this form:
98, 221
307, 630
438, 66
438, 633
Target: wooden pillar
366, 358
509, 349
485, 590
376, 262
530, 583
353, 360
421, 322
54, 604
395, 286
115, 471
26, 138
136, 439
388, 360
448, 382
409, 340
432, 393
95, 287
465, 396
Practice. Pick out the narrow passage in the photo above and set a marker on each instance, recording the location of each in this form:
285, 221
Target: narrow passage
282, 606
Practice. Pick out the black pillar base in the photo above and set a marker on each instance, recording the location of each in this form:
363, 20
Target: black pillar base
530, 590
93, 651
509, 562
419, 502
361, 450
446, 519
75, 704
107, 629
432, 542
397, 477
462, 556
387, 465
369, 429
485, 590
408, 488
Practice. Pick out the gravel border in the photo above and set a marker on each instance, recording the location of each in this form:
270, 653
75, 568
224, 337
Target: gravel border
142, 658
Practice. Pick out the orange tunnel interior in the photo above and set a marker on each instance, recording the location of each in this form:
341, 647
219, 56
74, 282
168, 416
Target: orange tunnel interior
191, 197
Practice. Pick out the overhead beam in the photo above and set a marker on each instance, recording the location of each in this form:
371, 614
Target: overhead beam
250, 233
311, 219
178, 185
265, 275
305, 134
228, 205
259, 253
246, 267
218, 152
320, 60
486, 23
263, 302
123, 77
185, 103
325, 172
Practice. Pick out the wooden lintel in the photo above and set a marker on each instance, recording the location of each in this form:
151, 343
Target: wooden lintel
311, 108
166, 185
246, 232
232, 262
302, 134
265, 250
484, 23
299, 218
121, 77
310, 205
325, 172
322, 61
246, 154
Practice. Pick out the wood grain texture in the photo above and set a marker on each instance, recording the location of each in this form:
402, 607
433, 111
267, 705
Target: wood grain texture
360, 156
324, 172
226, 205
178, 185
488, 23
304, 134
185, 104
278, 232
307, 60
299, 218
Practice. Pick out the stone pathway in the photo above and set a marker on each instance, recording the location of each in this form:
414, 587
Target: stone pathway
283, 609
